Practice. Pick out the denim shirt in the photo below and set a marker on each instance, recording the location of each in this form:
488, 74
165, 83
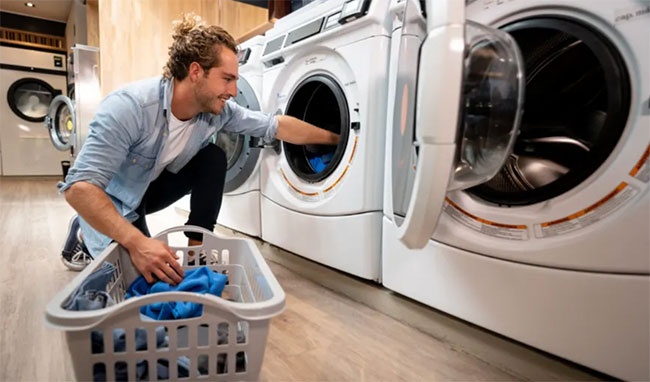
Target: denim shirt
127, 135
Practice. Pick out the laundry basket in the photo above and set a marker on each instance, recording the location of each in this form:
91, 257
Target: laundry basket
225, 343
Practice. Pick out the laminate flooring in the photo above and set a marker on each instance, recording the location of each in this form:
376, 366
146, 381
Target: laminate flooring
322, 336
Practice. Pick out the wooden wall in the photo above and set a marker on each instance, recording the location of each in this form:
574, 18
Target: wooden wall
239, 18
92, 22
134, 36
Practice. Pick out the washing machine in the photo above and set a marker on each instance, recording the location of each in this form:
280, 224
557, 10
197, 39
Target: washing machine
68, 117
327, 64
29, 80
552, 249
240, 208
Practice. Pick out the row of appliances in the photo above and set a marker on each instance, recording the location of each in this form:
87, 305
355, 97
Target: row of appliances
38, 90
493, 161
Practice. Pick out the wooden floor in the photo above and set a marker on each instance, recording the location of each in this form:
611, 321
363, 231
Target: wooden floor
321, 336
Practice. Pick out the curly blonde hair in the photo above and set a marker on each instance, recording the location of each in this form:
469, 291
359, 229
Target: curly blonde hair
195, 42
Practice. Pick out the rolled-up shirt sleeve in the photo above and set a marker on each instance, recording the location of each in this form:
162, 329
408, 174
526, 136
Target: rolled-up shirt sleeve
112, 132
240, 120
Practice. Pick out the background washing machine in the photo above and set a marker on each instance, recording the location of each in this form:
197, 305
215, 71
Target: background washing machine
553, 250
68, 117
240, 208
29, 80
327, 64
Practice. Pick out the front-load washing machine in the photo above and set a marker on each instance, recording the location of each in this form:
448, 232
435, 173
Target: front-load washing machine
552, 250
68, 117
29, 80
327, 64
240, 208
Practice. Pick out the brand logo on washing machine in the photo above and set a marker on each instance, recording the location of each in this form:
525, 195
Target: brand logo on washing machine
314, 59
629, 14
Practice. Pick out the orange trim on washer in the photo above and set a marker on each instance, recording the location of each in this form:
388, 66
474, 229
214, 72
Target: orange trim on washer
588, 209
495, 224
294, 187
641, 162
338, 180
354, 150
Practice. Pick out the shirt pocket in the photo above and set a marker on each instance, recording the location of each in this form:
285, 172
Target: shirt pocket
138, 167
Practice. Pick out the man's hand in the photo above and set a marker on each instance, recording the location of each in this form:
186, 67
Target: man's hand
152, 257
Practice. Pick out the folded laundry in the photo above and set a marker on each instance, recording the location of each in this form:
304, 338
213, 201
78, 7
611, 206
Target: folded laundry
91, 293
200, 280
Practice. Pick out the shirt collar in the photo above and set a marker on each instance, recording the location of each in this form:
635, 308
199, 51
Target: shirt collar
167, 88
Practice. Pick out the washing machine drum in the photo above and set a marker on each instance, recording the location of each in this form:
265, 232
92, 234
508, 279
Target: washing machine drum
60, 121
320, 101
577, 103
28, 98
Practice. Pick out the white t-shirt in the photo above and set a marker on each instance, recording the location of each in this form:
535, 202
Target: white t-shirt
179, 134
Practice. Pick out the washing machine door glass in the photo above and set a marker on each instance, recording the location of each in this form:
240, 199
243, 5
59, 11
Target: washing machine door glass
319, 100
29, 98
456, 116
241, 152
61, 122
577, 106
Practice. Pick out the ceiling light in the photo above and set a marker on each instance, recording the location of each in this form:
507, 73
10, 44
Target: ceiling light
30, 4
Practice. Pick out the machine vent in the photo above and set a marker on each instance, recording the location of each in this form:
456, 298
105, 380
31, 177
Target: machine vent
31, 39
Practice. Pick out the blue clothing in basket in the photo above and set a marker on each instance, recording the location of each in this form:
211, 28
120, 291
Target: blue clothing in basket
91, 293
201, 280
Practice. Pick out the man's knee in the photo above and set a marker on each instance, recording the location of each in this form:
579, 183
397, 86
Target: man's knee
215, 155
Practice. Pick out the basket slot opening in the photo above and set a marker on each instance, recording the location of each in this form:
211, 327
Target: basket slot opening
97, 342
242, 361
222, 363
243, 328
223, 333
121, 371
203, 335
140, 339
99, 372
142, 368
163, 369
119, 340
183, 367
182, 337
162, 331
202, 364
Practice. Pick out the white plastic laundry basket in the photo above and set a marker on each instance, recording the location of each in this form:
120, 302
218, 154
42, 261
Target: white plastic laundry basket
225, 343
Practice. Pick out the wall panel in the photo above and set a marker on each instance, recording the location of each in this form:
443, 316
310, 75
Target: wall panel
135, 36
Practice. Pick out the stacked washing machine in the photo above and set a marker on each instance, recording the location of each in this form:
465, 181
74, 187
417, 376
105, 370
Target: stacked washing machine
29, 80
535, 224
240, 208
327, 64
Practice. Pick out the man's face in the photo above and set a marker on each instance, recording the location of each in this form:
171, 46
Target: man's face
213, 89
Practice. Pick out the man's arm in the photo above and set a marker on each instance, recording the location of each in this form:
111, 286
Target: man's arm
298, 132
150, 257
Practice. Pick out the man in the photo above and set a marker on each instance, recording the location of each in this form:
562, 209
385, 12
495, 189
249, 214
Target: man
149, 145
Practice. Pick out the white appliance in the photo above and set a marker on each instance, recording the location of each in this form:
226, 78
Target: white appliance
68, 117
327, 64
29, 80
553, 251
240, 207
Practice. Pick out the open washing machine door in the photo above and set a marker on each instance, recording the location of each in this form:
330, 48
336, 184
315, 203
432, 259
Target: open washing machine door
241, 150
61, 122
456, 115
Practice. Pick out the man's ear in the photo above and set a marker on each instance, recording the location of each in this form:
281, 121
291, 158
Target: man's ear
195, 71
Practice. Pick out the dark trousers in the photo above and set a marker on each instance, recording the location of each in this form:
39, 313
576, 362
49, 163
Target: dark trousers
204, 176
